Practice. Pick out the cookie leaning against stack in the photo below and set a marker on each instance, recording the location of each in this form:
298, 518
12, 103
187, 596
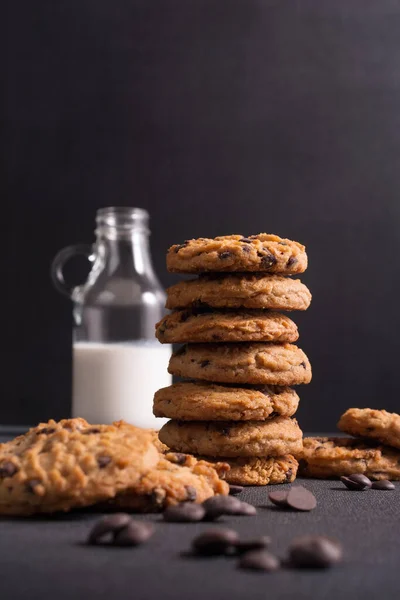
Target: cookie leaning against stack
239, 358
376, 452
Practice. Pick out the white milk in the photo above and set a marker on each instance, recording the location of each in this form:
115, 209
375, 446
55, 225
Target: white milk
118, 381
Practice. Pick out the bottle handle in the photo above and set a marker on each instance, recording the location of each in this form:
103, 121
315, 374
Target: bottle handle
61, 259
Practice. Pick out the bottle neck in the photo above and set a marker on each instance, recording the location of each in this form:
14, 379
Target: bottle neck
127, 256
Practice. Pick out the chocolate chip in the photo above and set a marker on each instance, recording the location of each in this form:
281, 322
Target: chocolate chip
292, 261
303, 364
8, 469
299, 498
204, 363
278, 498
32, 484
226, 254
234, 490
357, 482
288, 475
225, 430
103, 461
107, 527
273, 414
161, 329
314, 551
46, 430
246, 510
259, 560
267, 260
246, 249
157, 498
221, 505
92, 430
186, 512
246, 240
191, 493
177, 458
133, 534
384, 484
215, 541
180, 246
257, 544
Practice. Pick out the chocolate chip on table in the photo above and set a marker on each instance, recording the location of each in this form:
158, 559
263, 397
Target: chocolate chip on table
356, 482
215, 542
108, 526
227, 505
278, 498
246, 510
259, 560
256, 544
234, 490
221, 505
8, 469
299, 498
314, 551
186, 512
133, 534
384, 484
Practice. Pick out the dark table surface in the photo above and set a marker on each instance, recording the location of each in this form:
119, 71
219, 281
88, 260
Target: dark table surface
47, 557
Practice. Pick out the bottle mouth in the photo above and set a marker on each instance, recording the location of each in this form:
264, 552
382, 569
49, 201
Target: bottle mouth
121, 220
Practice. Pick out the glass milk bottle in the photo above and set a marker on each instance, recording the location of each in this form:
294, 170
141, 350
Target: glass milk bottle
117, 363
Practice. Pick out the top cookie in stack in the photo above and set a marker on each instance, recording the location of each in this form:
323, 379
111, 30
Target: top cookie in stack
238, 351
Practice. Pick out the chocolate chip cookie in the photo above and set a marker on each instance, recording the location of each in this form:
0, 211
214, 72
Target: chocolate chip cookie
261, 471
275, 437
60, 466
202, 401
259, 363
376, 424
326, 458
240, 291
226, 326
263, 252
176, 478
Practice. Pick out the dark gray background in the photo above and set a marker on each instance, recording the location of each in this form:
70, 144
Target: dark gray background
218, 117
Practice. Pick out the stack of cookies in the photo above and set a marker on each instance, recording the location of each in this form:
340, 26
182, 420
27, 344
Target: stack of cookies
239, 361
374, 451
